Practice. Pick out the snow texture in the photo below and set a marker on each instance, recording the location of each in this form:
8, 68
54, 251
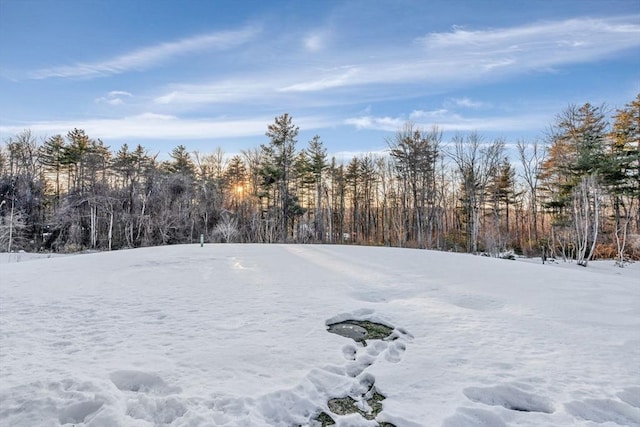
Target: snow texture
236, 335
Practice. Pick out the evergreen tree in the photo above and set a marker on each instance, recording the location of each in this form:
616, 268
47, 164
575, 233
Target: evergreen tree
337, 193
74, 158
502, 192
352, 187
572, 175
181, 162
51, 155
317, 165
622, 172
280, 154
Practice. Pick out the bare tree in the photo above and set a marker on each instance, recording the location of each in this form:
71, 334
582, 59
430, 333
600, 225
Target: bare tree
11, 225
415, 153
475, 161
227, 229
532, 157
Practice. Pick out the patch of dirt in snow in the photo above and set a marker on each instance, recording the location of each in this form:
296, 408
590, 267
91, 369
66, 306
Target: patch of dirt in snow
361, 330
363, 399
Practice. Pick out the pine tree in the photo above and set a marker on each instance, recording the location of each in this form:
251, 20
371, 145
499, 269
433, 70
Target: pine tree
74, 158
622, 172
51, 155
280, 154
501, 191
317, 166
352, 187
181, 162
235, 178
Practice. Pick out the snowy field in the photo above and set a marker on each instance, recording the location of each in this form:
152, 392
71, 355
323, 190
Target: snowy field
236, 335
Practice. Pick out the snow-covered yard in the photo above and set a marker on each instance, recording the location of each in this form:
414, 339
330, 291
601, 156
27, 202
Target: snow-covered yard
236, 335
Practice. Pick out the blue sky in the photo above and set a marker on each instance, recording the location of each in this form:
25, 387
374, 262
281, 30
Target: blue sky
211, 74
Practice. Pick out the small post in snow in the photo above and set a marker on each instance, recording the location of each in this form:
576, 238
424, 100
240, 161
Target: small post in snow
201, 240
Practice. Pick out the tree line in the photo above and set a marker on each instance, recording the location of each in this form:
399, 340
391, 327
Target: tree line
574, 194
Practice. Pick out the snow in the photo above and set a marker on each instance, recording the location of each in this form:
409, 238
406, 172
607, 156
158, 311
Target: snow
236, 335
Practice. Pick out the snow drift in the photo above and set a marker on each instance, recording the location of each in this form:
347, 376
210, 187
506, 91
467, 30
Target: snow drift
236, 335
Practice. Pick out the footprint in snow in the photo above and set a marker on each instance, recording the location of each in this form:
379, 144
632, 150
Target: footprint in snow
377, 347
349, 352
372, 341
79, 412
631, 396
510, 397
141, 382
394, 352
605, 410
354, 369
473, 417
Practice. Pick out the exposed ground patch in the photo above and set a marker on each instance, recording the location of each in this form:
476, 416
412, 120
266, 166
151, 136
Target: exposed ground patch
368, 406
363, 400
361, 330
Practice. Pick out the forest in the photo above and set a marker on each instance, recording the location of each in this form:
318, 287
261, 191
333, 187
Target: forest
573, 194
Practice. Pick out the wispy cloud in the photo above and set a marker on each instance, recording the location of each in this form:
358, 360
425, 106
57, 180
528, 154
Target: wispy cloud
389, 124
571, 33
466, 103
115, 97
149, 56
223, 91
163, 126
315, 42
334, 78
453, 58
454, 122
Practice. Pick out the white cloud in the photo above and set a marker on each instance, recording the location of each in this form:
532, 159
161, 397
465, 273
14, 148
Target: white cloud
115, 101
453, 58
314, 42
223, 91
149, 56
576, 32
115, 97
332, 80
378, 123
421, 115
119, 93
161, 126
453, 122
263, 89
346, 156
537, 45
466, 103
